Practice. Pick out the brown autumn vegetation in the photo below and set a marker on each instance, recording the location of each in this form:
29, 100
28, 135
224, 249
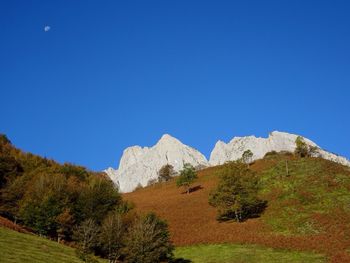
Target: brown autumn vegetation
4, 222
193, 221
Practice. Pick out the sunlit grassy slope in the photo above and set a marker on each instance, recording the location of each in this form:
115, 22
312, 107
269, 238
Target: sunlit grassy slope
18, 247
26, 248
231, 253
311, 199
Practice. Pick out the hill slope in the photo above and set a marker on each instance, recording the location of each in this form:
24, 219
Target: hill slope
18, 247
227, 253
300, 212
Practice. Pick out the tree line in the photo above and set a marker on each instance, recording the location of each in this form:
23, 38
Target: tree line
68, 203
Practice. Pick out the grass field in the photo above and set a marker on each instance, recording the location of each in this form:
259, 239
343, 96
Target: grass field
230, 253
18, 247
25, 248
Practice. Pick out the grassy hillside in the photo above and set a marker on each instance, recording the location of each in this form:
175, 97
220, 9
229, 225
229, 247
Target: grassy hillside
308, 208
229, 253
27, 248
18, 247
312, 199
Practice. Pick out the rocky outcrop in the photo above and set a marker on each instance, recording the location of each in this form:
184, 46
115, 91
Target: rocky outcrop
277, 141
139, 166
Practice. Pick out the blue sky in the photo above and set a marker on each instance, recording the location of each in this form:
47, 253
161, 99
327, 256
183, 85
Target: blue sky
110, 74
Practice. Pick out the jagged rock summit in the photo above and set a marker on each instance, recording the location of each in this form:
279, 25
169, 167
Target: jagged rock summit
277, 141
139, 166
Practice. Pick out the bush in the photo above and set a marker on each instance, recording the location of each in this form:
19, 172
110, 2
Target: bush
302, 149
236, 195
270, 154
247, 157
152, 182
187, 176
166, 172
148, 241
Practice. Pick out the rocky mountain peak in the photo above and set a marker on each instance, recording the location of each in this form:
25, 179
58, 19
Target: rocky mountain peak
140, 165
168, 139
276, 141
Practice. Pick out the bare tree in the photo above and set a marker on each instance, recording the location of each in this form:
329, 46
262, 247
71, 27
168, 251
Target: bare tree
86, 237
111, 235
148, 241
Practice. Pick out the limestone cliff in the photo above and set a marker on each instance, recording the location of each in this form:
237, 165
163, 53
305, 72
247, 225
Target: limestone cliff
277, 141
139, 166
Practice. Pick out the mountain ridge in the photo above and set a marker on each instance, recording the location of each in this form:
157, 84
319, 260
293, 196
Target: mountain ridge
139, 166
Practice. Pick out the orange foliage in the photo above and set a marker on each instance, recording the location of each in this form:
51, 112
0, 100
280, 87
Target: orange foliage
192, 220
4, 222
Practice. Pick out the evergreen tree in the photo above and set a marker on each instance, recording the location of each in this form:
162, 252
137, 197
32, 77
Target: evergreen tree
236, 195
302, 149
187, 176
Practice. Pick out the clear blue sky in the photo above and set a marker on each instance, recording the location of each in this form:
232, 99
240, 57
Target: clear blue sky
110, 74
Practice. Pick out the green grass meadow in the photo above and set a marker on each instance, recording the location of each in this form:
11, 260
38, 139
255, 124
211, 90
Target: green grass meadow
17, 248
234, 253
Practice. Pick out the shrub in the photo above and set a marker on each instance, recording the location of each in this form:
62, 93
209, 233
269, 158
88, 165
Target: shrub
302, 149
270, 154
166, 172
152, 182
236, 195
187, 176
247, 156
148, 241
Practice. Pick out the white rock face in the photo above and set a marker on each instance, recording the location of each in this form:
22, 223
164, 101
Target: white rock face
140, 165
277, 141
